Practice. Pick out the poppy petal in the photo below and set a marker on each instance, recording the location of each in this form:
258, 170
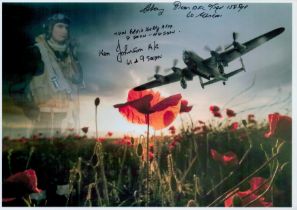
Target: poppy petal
215, 155
167, 102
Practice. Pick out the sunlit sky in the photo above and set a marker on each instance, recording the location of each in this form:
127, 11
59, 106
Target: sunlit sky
264, 88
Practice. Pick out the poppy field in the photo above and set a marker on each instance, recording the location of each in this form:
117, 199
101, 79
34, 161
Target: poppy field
221, 162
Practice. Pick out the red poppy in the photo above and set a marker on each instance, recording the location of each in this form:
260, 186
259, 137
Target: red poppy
214, 108
184, 106
20, 184
85, 129
234, 126
151, 155
100, 139
256, 182
151, 147
109, 133
215, 155
217, 114
172, 130
171, 147
230, 113
242, 198
279, 126
7, 200
23, 140
251, 118
177, 138
162, 111
227, 159
126, 140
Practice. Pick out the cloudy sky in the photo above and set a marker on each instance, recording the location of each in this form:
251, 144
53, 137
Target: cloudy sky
265, 87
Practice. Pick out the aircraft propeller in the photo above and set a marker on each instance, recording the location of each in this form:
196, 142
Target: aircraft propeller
157, 70
236, 44
173, 68
218, 49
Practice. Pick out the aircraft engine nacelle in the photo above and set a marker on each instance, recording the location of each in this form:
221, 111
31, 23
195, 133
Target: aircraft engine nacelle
177, 70
239, 47
159, 77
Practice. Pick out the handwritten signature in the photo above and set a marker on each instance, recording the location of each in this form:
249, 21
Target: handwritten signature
126, 51
152, 8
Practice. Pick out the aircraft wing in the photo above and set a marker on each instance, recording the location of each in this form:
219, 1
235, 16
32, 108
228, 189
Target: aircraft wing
233, 72
225, 75
210, 82
159, 82
232, 54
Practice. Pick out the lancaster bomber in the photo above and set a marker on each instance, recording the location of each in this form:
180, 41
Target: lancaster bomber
211, 69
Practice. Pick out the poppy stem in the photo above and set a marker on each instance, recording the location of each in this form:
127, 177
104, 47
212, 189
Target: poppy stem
96, 122
147, 160
192, 124
182, 122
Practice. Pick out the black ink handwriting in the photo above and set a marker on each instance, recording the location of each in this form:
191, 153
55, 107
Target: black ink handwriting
103, 53
126, 51
210, 11
152, 8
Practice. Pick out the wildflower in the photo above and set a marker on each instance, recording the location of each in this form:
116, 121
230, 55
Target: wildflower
279, 126
126, 140
234, 126
230, 113
152, 147
184, 106
23, 139
100, 139
85, 130
256, 182
109, 133
151, 155
172, 130
171, 147
217, 114
177, 138
227, 159
214, 108
20, 184
242, 198
143, 104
